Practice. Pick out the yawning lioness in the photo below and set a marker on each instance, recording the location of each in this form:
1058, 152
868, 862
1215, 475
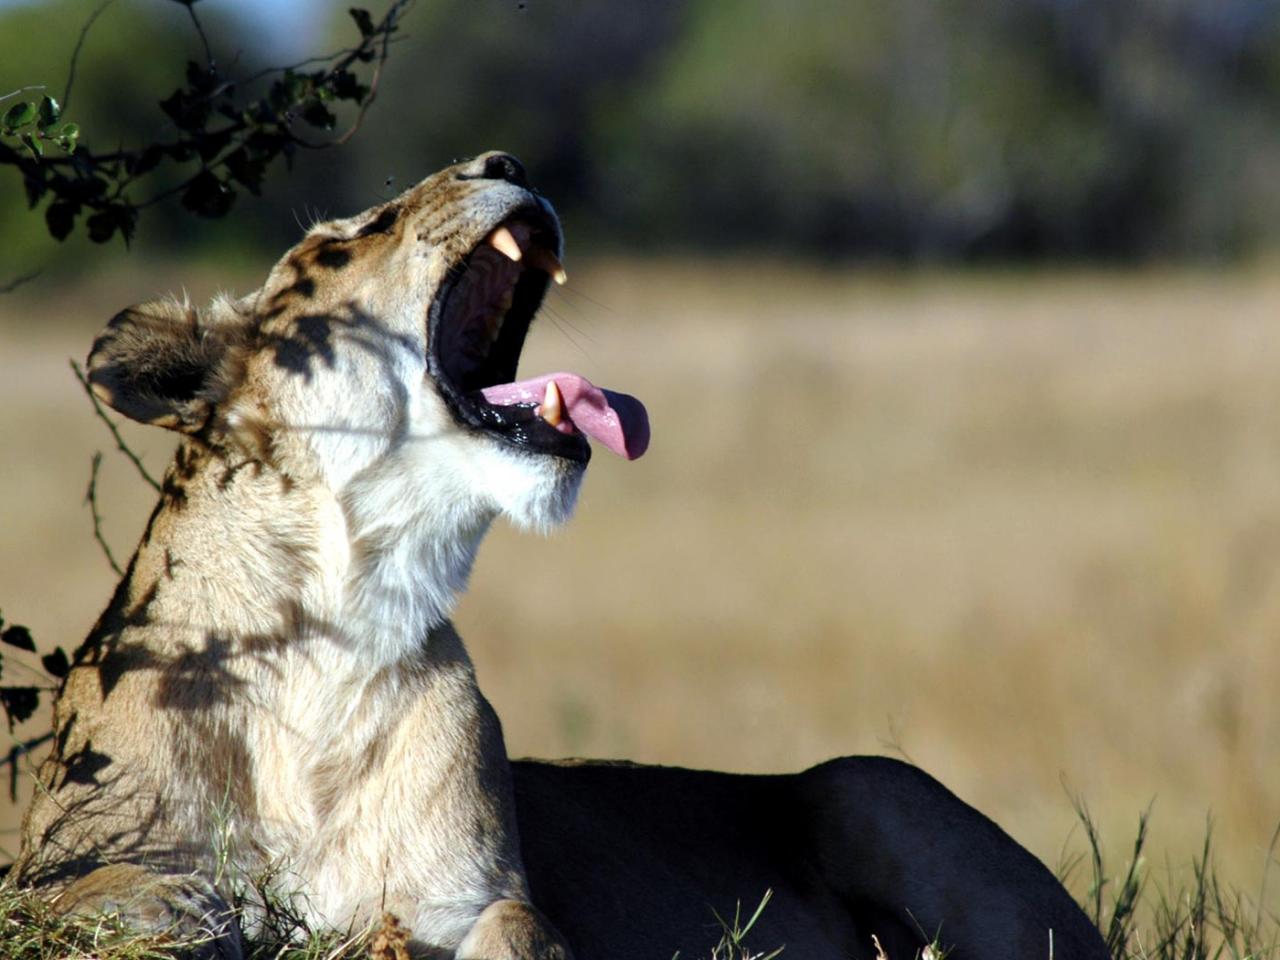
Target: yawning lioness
276, 687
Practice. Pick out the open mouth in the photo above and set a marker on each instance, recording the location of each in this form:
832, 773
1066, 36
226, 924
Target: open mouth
476, 329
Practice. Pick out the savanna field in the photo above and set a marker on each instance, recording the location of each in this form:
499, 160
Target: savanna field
1021, 528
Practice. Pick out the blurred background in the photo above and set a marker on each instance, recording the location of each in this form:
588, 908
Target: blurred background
957, 326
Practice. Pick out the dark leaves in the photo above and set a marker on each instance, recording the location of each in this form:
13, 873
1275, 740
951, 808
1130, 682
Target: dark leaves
60, 217
207, 196
33, 182
189, 111
19, 703
116, 217
234, 139
85, 764
318, 115
144, 161
56, 664
19, 637
347, 87
247, 169
363, 21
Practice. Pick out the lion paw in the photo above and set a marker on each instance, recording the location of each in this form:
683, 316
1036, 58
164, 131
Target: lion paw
183, 907
511, 930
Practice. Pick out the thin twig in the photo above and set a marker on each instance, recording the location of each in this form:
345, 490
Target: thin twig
16, 282
388, 22
14, 93
195, 21
91, 498
385, 28
17, 751
75, 54
115, 432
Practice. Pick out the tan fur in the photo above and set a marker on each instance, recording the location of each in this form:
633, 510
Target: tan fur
276, 687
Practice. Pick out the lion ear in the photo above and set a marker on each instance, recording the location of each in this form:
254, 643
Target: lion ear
156, 363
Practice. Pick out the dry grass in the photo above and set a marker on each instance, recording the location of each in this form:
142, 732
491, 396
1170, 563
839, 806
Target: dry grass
1024, 529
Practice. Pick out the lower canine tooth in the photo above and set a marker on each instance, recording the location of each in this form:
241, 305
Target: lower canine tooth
551, 409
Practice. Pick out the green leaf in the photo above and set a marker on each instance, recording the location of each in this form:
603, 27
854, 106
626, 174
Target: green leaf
19, 637
35, 145
68, 136
18, 116
56, 664
49, 112
363, 21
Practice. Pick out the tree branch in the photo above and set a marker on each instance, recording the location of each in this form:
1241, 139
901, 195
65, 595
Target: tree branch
195, 22
91, 498
18, 281
75, 54
94, 188
27, 89
16, 752
115, 432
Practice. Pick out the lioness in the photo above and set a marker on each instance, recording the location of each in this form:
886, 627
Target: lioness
276, 686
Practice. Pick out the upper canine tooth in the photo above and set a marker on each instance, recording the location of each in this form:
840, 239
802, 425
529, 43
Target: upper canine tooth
551, 409
546, 261
504, 242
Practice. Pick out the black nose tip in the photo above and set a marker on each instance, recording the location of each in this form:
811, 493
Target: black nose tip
501, 166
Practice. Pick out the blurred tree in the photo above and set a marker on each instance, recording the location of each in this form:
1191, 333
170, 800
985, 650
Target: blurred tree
215, 143
224, 129
921, 128
916, 129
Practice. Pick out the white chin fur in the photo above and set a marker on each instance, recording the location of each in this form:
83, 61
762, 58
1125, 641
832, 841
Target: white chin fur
534, 491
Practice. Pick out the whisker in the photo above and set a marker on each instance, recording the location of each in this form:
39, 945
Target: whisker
564, 326
575, 327
577, 292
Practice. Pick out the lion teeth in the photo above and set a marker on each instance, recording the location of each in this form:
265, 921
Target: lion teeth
551, 409
505, 243
546, 261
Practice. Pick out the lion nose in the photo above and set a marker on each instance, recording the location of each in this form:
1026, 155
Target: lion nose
499, 166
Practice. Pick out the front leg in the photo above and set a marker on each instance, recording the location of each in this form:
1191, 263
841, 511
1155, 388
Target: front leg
184, 907
512, 930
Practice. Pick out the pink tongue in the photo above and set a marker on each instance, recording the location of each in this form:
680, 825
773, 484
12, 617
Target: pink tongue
617, 420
